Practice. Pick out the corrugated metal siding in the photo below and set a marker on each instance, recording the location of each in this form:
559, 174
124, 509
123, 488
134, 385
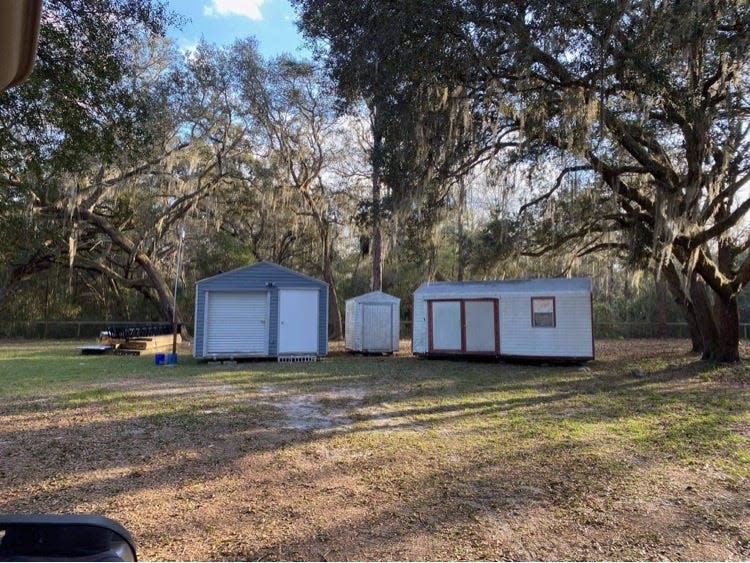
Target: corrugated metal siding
263, 276
571, 337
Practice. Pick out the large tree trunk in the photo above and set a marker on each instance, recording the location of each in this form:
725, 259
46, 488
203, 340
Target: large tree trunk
704, 315
376, 159
696, 340
718, 323
726, 311
461, 258
675, 285
334, 311
376, 251
727, 346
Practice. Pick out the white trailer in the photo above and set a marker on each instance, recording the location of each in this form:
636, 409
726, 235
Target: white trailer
534, 319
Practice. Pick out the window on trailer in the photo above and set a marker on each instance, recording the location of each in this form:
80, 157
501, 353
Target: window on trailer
543, 311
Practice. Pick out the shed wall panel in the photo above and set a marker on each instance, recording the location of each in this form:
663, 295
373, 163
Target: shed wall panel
570, 337
351, 339
419, 325
360, 337
445, 325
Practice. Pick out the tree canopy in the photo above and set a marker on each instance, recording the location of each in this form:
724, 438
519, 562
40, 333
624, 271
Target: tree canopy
647, 99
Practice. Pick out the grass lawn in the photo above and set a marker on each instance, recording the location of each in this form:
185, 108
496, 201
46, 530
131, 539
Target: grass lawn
396, 458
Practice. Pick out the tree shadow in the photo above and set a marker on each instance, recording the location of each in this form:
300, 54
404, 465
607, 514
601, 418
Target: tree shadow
77, 450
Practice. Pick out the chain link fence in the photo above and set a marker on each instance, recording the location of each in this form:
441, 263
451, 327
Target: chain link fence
82, 330
54, 330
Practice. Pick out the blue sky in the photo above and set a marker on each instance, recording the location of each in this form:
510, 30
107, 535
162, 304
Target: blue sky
271, 22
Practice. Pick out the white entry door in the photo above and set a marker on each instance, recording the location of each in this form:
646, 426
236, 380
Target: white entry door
377, 327
298, 321
480, 326
236, 323
445, 325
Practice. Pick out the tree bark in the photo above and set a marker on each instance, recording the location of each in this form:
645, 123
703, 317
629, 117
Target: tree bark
377, 242
718, 322
696, 340
727, 347
461, 258
674, 283
336, 325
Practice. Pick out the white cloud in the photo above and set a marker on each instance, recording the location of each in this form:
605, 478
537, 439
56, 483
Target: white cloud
246, 8
188, 48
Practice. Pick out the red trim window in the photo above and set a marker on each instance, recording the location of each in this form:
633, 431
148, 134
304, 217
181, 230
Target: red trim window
543, 312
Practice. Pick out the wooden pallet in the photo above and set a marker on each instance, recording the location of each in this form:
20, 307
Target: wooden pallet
145, 345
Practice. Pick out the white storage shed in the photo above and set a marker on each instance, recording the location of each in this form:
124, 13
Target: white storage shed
372, 323
534, 319
263, 310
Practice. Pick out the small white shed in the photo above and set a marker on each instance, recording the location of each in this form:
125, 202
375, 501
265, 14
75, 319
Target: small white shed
534, 319
372, 323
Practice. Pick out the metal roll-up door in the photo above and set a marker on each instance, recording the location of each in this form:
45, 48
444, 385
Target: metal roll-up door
237, 323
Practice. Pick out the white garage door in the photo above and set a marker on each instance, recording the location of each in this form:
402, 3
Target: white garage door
237, 323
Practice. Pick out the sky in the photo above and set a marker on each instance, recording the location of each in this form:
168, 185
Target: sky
271, 22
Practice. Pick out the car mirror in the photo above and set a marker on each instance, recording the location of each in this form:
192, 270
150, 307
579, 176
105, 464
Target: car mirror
63, 537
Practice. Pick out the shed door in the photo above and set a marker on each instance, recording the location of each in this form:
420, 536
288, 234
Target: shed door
377, 327
445, 325
237, 323
298, 321
480, 321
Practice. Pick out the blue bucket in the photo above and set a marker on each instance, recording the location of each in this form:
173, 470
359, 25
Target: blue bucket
159, 359
171, 358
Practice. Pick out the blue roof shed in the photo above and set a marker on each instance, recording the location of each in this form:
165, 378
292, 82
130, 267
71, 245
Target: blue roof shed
263, 310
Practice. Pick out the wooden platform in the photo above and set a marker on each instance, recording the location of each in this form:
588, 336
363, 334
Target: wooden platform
140, 346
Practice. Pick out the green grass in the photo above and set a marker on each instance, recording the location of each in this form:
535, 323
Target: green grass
547, 404
468, 434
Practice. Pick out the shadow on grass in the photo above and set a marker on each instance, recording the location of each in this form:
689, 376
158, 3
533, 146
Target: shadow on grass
173, 432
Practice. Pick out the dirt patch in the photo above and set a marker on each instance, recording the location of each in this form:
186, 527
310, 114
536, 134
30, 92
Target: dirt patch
313, 412
369, 458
